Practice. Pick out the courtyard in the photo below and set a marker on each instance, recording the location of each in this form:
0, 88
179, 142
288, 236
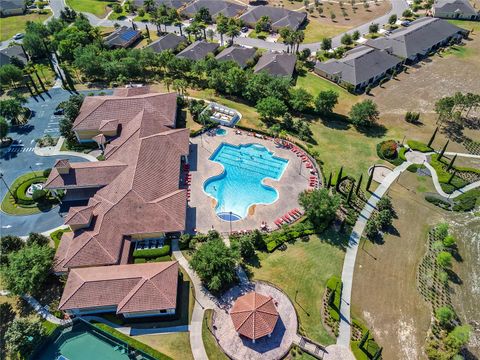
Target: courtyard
202, 213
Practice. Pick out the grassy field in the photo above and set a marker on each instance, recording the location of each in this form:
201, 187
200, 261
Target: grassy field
96, 7
384, 290
315, 32
304, 267
211, 347
12, 25
314, 84
175, 345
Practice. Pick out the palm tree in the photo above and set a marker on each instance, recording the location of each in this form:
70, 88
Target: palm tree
179, 24
168, 81
180, 86
286, 35
233, 30
202, 28
222, 26
298, 37
149, 5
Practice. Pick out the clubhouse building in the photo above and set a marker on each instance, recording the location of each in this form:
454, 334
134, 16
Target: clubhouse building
133, 195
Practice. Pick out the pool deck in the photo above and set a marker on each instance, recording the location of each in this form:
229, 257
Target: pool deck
201, 212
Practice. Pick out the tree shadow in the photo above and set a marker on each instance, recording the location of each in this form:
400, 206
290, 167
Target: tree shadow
453, 277
375, 130
337, 239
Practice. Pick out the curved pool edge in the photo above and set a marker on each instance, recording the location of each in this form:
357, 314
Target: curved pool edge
262, 182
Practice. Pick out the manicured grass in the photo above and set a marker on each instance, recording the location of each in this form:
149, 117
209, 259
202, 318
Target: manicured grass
96, 7
175, 345
49, 327
261, 35
119, 16
419, 146
8, 203
56, 236
314, 84
212, 349
469, 25
459, 51
305, 267
132, 342
12, 25
316, 32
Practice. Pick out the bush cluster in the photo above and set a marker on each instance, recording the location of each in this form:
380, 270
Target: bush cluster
388, 149
21, 190
286, 234
152, 253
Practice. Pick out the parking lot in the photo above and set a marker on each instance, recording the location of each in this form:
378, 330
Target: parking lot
20, 158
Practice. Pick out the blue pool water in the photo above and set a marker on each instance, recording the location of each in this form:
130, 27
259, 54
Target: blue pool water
241, 183
221, 132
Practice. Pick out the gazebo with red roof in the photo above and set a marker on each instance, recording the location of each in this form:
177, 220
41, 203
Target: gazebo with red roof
254, 315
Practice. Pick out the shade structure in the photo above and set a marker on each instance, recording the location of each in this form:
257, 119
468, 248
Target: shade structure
254, 315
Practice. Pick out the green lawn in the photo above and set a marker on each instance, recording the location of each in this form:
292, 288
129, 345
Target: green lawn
12, 25
469, 25
316, 32
305, 267
96, 7
11, 207
314, 84
175, 345
261, 35
211, 347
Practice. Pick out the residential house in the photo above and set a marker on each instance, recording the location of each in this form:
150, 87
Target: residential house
241, 55
13, 55
360, 67
198, 50
123, 37
455, 9
12, 7
132, 291
280, 17
214, 7
276, 64
420, 38
136, 192
169, 41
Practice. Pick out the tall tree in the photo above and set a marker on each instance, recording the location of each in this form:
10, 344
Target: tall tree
215, 263
364, 113
22, 336
3, 128
27, 269
326, 101
320, 207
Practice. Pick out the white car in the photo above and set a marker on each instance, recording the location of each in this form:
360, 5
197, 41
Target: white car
18, 36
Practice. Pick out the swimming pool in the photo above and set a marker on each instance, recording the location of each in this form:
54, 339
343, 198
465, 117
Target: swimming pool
221, 132
83, 341
240, 185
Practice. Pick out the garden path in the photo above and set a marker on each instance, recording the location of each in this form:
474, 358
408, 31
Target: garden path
351, 254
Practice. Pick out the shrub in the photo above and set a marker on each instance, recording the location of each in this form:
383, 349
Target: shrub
384, 219
412, 117
21, 191
39, 195
184, 242
388, 149
444, 315
385, 204
139, 261
419, 146
46, 172
467, 201
371, 229
152, 253
449, 241
437, 201
444, 259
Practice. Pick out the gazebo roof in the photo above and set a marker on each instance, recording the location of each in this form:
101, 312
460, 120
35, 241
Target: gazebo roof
254, 315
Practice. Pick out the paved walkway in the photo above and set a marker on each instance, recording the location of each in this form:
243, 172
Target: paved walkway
56, 150
203, 300
351, 254
43, 312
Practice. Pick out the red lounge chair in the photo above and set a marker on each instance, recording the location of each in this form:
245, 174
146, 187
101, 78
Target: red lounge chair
286, 219
293, 214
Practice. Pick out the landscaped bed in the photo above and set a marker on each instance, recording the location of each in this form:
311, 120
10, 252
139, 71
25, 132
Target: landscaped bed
17, 202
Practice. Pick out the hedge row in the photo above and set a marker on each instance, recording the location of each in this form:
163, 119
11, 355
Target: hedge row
21, 190
419, 146
291, 233
152, 253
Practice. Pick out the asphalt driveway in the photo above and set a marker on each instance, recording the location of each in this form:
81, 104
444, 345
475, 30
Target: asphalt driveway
20, 159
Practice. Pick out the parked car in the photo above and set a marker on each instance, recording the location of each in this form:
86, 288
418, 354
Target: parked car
58, 112
405, 23
244, 29
18, 36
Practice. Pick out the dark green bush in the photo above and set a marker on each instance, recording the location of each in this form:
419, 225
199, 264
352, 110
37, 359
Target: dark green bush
46, 172
152, 253
139, 261
21, 191
419, 146
467, 201
437, 201
39, 195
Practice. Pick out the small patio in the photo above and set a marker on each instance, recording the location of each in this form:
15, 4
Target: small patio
201, 215
265, 348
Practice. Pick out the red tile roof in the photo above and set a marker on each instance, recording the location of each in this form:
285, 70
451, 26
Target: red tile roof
131, 288
142, 197
79, 215
254, 315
